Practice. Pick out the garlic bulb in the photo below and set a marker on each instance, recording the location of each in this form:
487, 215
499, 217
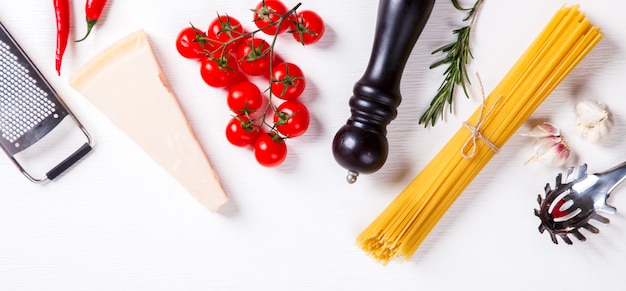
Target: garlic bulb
550, 146
592, 121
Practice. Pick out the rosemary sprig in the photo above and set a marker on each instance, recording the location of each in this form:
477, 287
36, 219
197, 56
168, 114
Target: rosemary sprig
458, 54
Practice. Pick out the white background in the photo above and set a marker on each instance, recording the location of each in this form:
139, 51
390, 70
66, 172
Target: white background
117, 221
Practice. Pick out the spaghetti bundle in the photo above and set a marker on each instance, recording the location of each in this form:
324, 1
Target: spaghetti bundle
404, 224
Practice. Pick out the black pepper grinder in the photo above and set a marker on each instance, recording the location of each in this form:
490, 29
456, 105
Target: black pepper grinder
361, 146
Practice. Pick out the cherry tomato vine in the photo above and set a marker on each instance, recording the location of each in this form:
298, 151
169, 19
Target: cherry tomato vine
229, 54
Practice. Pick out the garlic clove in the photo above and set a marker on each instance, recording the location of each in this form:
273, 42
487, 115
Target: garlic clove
594, 134
590, 112
562, 152
543, 130
592, 121
551, 150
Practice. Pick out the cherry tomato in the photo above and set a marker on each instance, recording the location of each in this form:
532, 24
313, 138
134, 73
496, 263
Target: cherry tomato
244, 97
288, 81
219, 72
267, 15
188, 43
241, 132
253, 56
308, 27
223, 29
292, 118
270, 150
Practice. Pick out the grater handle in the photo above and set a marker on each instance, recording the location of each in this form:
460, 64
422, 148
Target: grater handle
69, 161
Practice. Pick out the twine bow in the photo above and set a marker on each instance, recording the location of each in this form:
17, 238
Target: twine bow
476, 134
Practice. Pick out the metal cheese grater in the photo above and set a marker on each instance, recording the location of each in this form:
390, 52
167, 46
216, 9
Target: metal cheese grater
38, 132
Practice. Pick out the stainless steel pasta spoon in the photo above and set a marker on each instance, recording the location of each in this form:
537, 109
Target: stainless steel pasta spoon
576, 200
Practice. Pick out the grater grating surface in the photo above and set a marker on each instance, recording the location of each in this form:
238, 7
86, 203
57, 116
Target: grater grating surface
24, 106
30, 109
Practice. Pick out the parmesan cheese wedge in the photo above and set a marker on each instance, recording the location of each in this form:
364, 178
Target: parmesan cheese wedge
126, 83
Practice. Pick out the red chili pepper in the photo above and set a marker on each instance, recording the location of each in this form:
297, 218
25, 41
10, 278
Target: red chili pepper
93, 10
62, 12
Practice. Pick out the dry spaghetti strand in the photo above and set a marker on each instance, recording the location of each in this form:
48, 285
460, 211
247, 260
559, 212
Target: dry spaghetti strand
400, 229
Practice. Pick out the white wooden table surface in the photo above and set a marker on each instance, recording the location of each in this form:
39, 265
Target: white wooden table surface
118, 222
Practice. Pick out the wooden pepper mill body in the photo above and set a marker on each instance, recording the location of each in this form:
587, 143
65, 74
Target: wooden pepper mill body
361, 146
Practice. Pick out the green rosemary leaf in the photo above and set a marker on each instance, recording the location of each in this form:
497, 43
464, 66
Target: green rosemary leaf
458, 6
444, 48
457, 56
